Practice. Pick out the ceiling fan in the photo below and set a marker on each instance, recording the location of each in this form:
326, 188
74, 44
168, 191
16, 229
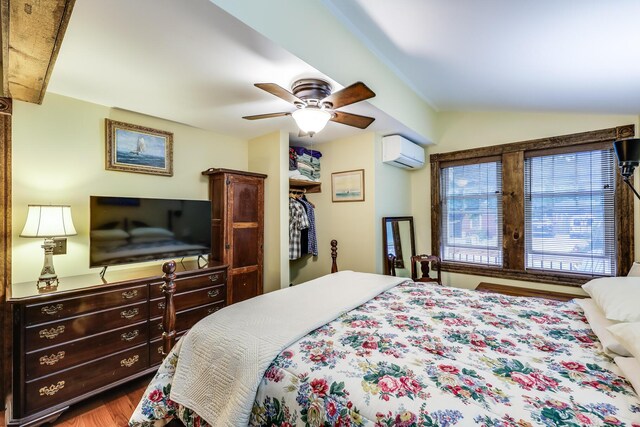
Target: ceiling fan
316, 105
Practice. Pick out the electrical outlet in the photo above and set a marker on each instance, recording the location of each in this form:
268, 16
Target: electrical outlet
61, 246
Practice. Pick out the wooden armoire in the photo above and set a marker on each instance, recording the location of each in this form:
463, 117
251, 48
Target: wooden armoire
237, 229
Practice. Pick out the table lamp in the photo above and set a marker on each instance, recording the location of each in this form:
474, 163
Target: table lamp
48, 221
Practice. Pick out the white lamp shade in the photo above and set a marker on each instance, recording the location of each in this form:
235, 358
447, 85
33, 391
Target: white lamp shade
310, 119
48, 221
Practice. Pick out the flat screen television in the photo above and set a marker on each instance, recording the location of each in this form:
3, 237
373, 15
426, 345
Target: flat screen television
126, 230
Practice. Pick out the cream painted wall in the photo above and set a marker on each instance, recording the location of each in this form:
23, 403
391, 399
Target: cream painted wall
356, 225
269, 154
465, 130
351, 223
59, 157
393, 197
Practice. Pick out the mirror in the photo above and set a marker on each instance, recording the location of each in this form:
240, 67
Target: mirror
398, 240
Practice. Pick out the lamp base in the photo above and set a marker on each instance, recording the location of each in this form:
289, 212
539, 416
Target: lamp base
48, 274
49, 284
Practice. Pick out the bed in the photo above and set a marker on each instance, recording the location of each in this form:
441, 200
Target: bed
417, 354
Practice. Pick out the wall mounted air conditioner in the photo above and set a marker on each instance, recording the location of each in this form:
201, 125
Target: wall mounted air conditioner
399, 151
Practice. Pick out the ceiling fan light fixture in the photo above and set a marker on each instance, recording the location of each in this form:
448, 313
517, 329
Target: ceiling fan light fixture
311, 120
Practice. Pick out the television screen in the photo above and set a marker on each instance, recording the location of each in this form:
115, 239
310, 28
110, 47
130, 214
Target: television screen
126, 230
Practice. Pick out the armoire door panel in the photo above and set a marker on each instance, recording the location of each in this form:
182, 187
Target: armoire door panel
245, 197
245, 247
244, 285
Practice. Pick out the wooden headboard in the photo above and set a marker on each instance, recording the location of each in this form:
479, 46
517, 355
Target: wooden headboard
169, 288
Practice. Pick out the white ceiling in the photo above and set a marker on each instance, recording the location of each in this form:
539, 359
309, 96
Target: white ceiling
563, 55
193, 63
185, 61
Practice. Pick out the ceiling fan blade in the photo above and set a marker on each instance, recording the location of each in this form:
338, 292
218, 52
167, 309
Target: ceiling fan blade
266, 116
279, 91
354, 120
355, 93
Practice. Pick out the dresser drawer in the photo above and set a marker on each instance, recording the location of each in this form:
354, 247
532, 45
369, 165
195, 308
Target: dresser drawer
57, 358
52, 333
59, 309
59, 387
185, 319
191, 283
155, 349
187, 300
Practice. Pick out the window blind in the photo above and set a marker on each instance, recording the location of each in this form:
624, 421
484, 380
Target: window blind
570, 212
471, 202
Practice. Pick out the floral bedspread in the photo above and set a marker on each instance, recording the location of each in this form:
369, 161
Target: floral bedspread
424, 355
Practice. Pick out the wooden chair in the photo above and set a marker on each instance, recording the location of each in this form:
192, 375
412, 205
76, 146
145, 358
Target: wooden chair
424, 261
391, 264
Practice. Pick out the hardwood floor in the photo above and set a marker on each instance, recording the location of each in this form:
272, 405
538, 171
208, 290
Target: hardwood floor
110, 409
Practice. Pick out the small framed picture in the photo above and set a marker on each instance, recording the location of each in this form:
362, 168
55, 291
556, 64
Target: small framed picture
347, 186
133, 148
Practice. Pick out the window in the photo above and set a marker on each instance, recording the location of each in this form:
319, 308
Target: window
472, 213
567, 217
570, 212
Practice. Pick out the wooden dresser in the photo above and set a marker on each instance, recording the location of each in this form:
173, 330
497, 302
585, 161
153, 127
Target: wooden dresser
88, 336
237, 229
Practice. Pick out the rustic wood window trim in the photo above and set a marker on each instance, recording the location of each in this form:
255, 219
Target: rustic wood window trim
513, 156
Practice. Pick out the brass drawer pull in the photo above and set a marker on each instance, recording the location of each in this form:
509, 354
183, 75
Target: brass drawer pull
129, 362
51, 309
213, 309
160, 326
161, 305
214, 277
213, 293
128, 336
53, 359
129, 314
51, 333
52, 389
160, 350
130, 294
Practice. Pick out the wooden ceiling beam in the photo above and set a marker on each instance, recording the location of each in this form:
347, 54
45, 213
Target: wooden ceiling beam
32, 32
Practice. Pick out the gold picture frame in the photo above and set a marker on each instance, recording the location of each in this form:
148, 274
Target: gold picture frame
347, 186
138, 149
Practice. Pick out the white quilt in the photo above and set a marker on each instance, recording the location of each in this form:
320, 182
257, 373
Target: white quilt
224, 356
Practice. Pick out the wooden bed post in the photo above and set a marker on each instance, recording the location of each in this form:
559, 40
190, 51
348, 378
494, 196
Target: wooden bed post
169, 315
334, 255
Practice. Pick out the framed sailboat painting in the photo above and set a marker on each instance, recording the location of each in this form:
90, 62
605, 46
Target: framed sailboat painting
133, 148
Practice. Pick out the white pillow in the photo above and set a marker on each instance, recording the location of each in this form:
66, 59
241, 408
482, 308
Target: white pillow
599, 324
629, 336
630, 368
115, 234
617, 297
635, 270
150, 232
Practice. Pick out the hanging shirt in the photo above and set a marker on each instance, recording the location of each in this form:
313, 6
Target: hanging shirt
311, 216
297, 221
